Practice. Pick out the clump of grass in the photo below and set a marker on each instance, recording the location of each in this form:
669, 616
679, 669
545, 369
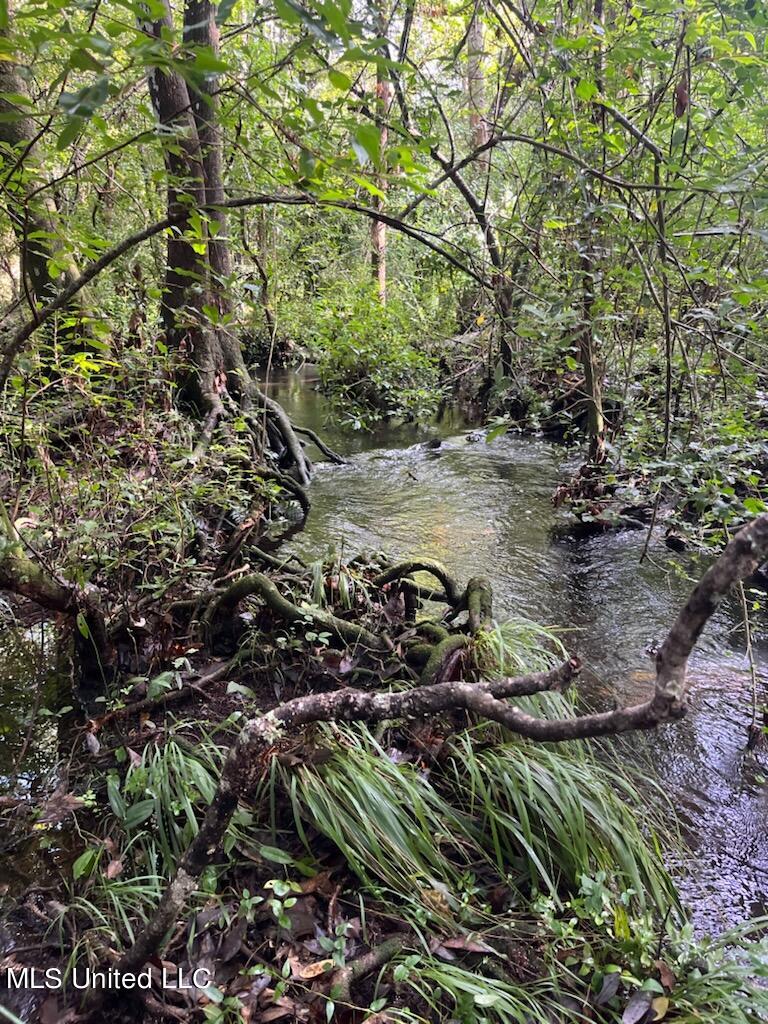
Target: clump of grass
517, 645
391, 824
452, 992
551, 814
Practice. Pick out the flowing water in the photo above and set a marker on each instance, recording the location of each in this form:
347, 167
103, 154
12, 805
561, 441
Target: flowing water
485, 508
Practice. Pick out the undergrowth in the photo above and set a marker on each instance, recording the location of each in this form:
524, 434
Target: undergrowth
524, 882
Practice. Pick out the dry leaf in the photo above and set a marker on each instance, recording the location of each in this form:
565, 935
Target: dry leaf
666, 975
660, 1005
114, 868
312, 970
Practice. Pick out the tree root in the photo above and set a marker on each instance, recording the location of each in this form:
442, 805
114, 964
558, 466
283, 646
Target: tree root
261, 585
453, 591
347, 976
443, 658
279, 417
479, 602
321, 445
170, 697
288, 484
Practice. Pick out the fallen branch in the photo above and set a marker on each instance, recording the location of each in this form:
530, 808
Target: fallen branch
245, 762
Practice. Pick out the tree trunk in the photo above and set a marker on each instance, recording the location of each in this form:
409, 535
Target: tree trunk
593, 389
478, 124
199, 269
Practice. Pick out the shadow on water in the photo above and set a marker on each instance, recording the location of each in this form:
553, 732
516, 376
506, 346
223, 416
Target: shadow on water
485, 508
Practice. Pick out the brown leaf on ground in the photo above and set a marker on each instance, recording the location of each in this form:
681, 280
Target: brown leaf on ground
666, 975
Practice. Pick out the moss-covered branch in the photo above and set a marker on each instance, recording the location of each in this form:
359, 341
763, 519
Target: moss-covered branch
258, 584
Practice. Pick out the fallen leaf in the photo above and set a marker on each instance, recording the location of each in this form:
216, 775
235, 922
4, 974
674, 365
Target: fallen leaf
666, 975
114, 868
609, 989
660, 1005
638, 1007
314, 970
60, 806
469, 944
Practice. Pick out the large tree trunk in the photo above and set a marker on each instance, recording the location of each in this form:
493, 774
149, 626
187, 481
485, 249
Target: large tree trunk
199, 261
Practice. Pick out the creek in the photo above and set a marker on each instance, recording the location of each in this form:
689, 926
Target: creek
485, 508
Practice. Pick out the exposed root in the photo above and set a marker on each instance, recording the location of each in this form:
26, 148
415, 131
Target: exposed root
321, 445
444, 657
479, 602
366, 964
453, 591
300, 463
259, 584
290, 485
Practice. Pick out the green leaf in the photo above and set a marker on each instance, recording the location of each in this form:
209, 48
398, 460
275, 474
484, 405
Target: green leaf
225, 9
115, 797
246, 691
86, 863
339, 80
82, 626
497, 431
586, 90
86, 100
754, 506
72, 128
161, 684
272, 853
138, 813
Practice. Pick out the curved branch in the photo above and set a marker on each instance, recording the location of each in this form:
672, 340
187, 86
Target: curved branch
245, 760
17, 339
